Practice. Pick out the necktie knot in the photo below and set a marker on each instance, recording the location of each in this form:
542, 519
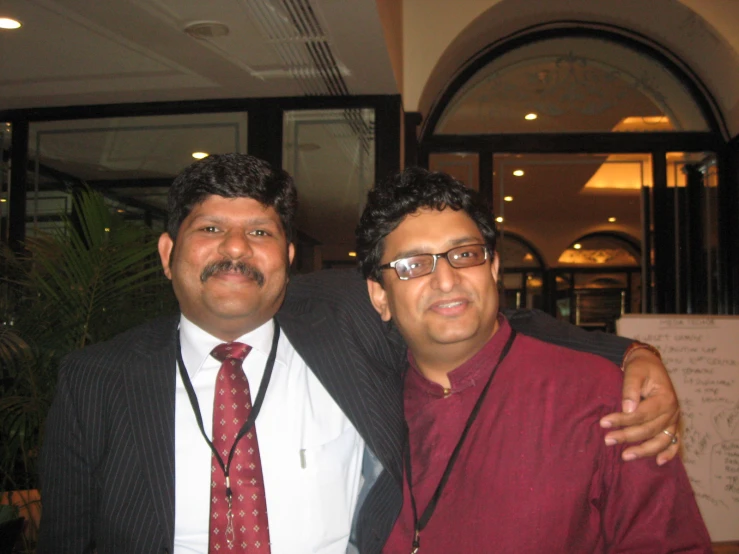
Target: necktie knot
231, 351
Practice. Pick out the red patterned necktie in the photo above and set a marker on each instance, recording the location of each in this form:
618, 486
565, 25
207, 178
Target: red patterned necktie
245, 528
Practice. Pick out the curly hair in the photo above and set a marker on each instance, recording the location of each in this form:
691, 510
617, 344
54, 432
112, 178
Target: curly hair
405, 193
232, 176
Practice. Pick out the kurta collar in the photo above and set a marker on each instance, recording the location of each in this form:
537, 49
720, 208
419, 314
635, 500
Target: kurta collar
470, 373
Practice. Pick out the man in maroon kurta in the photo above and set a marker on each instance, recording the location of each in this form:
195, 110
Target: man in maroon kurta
505, 454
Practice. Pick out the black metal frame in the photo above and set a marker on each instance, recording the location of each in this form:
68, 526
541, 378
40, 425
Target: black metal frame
264, 132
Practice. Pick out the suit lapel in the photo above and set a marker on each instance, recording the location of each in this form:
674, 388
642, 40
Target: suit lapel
150, 387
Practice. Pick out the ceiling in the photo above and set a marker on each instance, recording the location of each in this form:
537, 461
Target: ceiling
76, 52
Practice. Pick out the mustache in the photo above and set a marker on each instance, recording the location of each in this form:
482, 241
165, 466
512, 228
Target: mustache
227, 265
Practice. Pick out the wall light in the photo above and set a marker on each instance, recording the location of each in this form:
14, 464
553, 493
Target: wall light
577, 246
508, 198
518, 173
499, 219
199, 155
352, 254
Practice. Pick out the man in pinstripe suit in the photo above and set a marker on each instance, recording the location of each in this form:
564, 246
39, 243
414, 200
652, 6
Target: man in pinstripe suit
112, 449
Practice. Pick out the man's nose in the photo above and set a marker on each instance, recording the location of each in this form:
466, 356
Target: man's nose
235, 244
444, 277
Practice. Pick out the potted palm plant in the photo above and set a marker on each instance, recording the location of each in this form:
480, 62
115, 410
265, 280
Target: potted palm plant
91, 278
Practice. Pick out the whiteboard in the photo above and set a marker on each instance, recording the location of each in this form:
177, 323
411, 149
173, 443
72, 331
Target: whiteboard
701, 354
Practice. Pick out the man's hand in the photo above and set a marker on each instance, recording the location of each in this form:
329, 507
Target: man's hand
649, 408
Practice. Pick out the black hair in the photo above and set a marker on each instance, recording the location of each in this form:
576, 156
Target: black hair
232, 176
405, 193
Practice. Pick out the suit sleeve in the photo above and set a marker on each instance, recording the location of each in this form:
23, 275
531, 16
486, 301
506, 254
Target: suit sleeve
537, 324
67, 483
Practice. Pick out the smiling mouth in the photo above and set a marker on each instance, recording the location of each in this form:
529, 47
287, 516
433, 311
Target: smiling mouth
447, 305
227, 266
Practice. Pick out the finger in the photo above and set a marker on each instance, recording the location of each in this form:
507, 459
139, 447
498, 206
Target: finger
661, 446
640, 426
632, 388
667, 455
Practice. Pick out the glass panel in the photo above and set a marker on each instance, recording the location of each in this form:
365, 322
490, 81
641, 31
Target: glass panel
553, 201
463, 166
570, 85
331, 155
579, 212
694, 211
5, 136
131, 160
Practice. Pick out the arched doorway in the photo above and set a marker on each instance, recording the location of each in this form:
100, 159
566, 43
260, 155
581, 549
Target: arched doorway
572, 130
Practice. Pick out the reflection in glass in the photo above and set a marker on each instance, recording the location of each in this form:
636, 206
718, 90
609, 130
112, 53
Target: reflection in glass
130, 160
331, 155
463, 166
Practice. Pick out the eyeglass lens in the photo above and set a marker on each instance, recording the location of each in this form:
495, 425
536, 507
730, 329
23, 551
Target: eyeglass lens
423, 264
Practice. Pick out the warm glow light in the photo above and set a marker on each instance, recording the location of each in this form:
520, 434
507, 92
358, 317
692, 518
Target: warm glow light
352, 254
107, 229
199, 155
611, 220
121, 211
508, 198
499, 219
3, 199
577, 246
530, 116
7, 23
518, 173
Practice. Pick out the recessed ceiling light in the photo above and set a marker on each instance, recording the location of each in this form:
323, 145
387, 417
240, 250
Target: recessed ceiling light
611, 220
530, 116
518, 173
352, 254
508, 198
199, 155
7, 23
577, 246
499, 219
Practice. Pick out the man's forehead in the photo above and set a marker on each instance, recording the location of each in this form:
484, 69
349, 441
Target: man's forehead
428, 229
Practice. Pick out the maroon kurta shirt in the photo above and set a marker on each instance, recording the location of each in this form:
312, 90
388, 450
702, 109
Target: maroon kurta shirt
534, 474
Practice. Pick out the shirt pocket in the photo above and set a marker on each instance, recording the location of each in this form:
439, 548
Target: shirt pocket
331, 478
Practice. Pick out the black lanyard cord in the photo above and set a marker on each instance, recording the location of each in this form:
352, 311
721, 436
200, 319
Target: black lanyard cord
256, 406
420, 524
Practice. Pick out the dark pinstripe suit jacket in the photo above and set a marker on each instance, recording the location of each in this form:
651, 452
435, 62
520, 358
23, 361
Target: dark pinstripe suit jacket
108, 458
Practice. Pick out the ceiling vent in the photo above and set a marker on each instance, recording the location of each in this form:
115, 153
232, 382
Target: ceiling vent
206, 29
294, 30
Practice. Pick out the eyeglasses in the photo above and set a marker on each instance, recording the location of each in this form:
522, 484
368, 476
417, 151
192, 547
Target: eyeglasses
469, 255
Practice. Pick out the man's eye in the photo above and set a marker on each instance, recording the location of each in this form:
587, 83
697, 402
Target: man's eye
210, 229
260, 233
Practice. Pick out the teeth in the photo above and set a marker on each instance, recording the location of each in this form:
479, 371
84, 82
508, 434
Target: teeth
451, 304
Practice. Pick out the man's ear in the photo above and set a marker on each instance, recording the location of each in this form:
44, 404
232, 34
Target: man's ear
166, 244
495, 266
378, 297
290, 254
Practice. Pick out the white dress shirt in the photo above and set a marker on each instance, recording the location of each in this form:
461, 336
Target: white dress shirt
311, 454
